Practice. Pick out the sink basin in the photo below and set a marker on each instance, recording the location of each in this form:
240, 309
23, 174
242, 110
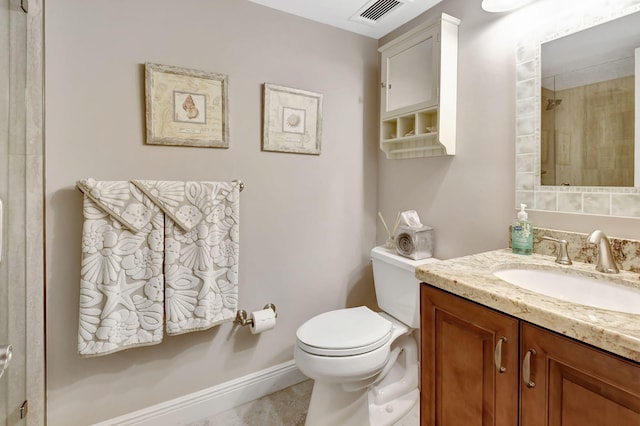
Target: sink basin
575, 288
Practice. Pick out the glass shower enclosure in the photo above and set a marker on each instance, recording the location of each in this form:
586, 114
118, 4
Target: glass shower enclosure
21, 214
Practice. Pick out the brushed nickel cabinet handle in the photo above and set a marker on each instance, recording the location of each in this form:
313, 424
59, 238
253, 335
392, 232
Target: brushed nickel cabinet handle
526, 369
497, 355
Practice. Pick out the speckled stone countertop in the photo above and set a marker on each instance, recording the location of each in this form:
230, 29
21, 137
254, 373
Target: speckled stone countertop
472, 278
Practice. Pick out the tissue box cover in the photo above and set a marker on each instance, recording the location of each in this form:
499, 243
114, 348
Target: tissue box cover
415, 243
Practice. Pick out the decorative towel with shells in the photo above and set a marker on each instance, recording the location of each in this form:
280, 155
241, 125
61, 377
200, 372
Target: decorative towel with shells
201, 251
121, 284
151, 248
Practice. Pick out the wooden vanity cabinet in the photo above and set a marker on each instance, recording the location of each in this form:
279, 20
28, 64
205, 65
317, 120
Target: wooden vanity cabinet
460, 383
567, 382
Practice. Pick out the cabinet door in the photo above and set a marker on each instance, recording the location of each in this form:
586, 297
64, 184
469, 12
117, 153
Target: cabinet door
463, 344
575, 384
410, 74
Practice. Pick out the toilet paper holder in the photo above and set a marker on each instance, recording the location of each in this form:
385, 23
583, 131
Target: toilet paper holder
243, 319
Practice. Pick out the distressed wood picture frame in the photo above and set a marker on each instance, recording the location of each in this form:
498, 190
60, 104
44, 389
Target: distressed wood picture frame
186, 107
292, 120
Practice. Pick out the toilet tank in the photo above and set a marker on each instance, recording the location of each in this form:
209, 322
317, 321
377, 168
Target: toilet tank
397, 288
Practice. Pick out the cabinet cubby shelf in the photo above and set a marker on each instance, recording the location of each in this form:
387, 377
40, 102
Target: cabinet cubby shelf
432, 135
425, 145
422, 140
413, 147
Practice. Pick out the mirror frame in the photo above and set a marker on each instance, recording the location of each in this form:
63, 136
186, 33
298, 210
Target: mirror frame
606, 201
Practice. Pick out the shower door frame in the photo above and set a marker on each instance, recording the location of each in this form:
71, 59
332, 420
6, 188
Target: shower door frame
22, 189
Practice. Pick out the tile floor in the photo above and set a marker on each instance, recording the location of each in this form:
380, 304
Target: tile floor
287, 407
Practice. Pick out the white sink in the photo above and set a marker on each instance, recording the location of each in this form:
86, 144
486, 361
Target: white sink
575, 288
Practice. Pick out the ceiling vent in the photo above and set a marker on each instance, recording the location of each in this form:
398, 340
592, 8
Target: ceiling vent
372, 12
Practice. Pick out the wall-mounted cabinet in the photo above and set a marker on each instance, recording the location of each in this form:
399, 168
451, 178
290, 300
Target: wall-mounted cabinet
419, 91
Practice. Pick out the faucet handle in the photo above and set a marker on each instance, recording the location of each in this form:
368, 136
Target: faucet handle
563, 252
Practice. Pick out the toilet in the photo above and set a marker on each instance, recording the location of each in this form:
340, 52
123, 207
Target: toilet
364, 363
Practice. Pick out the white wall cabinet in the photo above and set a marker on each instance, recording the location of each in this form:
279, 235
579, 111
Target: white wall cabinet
419, 73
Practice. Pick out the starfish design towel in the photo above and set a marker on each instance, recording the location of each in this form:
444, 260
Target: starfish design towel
121, 285
201, 251
154, 246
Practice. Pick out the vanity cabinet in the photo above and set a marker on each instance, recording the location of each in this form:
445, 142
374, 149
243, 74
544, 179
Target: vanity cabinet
482, 367
419, 90
461, 342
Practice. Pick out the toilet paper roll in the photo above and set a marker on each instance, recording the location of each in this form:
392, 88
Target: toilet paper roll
263, 320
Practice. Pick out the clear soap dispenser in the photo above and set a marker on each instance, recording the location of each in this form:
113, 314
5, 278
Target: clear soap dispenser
522, 233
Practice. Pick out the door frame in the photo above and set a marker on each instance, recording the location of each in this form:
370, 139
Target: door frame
27, 186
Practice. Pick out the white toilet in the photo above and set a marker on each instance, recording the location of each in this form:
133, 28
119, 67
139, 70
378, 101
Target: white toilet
365, 363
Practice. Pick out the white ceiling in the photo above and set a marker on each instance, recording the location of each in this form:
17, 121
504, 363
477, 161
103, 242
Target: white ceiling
338, 13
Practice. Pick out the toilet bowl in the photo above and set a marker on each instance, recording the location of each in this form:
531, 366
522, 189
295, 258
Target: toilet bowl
364, 363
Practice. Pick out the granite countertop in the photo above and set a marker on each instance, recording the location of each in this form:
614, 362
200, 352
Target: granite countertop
472, 277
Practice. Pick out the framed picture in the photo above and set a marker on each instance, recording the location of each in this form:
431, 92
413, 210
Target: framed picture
292, 120
186, 107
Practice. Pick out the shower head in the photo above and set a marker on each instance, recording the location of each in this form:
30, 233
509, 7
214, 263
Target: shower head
552, 103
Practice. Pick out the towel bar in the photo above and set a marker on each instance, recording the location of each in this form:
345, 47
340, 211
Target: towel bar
241, 183
242, 318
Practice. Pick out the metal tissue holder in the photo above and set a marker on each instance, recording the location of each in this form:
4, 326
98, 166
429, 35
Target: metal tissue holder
241, 316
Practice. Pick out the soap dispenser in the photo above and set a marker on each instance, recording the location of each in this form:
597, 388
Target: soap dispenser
522, 233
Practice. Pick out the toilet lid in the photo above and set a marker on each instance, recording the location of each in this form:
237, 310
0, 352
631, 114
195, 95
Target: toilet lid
344, 332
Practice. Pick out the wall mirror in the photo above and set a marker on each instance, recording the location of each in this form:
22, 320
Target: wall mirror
587, 123
576, 119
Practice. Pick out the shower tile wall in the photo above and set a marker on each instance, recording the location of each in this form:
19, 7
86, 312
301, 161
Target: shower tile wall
587, 136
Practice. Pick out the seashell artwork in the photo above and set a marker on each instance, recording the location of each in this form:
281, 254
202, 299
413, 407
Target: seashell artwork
189, 106
293, 120
186, 107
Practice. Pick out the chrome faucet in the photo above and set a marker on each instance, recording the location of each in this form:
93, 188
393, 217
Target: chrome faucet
605, 263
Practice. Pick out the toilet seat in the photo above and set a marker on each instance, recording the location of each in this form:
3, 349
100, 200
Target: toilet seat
344, 332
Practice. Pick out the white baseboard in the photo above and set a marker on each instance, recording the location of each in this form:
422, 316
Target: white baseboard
214, 400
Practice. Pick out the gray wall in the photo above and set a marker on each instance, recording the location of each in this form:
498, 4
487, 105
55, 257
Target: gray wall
307, 222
